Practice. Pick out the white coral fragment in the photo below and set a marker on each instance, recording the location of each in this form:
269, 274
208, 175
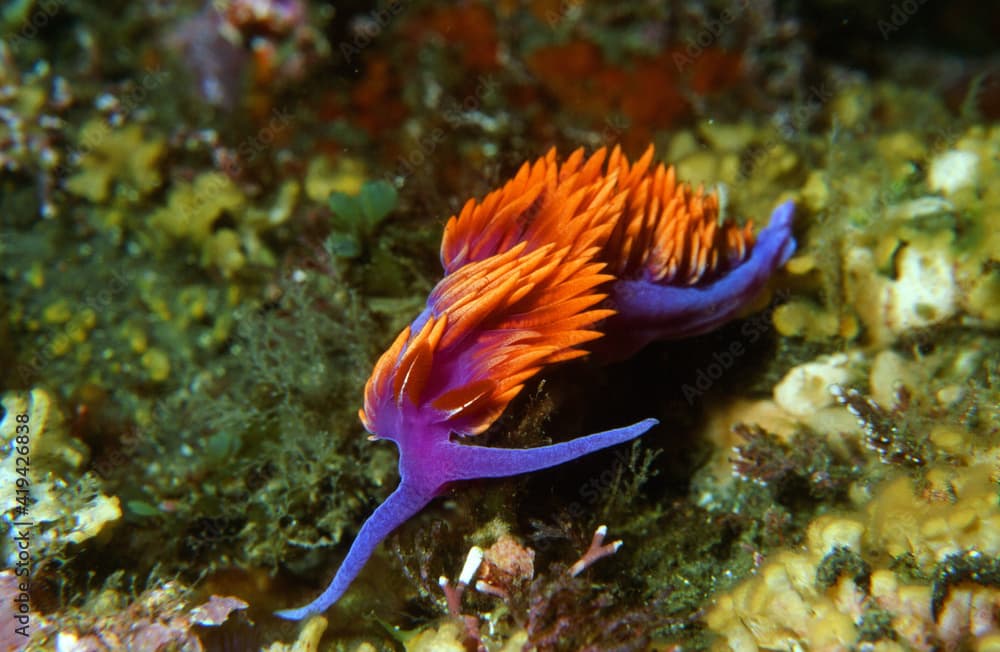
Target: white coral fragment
953, 170
805, 388
925, 291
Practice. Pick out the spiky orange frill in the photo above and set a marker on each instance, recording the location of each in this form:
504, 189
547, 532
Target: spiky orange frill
665, 231
669, 233
490, 326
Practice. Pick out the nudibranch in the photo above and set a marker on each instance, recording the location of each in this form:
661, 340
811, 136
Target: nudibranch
535, 273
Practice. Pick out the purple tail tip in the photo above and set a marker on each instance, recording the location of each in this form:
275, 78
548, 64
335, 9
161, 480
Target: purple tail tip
779, 229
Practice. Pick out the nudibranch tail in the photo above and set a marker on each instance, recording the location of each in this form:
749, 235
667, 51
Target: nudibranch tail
402, 504
648, 310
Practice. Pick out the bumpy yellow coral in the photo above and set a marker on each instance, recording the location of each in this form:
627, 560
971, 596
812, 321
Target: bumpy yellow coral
308, 640
52, 448
785, 606
125, 158
192, 208
957, 511
324, 178
195, 212
65, 507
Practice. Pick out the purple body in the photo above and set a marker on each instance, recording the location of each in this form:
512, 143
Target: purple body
429, 460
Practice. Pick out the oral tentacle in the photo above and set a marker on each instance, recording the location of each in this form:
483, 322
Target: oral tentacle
470, 462
402, 504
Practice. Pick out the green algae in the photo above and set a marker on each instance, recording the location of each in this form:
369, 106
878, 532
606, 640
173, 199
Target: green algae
261, 430
356, 218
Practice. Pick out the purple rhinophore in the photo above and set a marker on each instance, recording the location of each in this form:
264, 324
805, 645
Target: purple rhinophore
647, 311
217, 64
428, 461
